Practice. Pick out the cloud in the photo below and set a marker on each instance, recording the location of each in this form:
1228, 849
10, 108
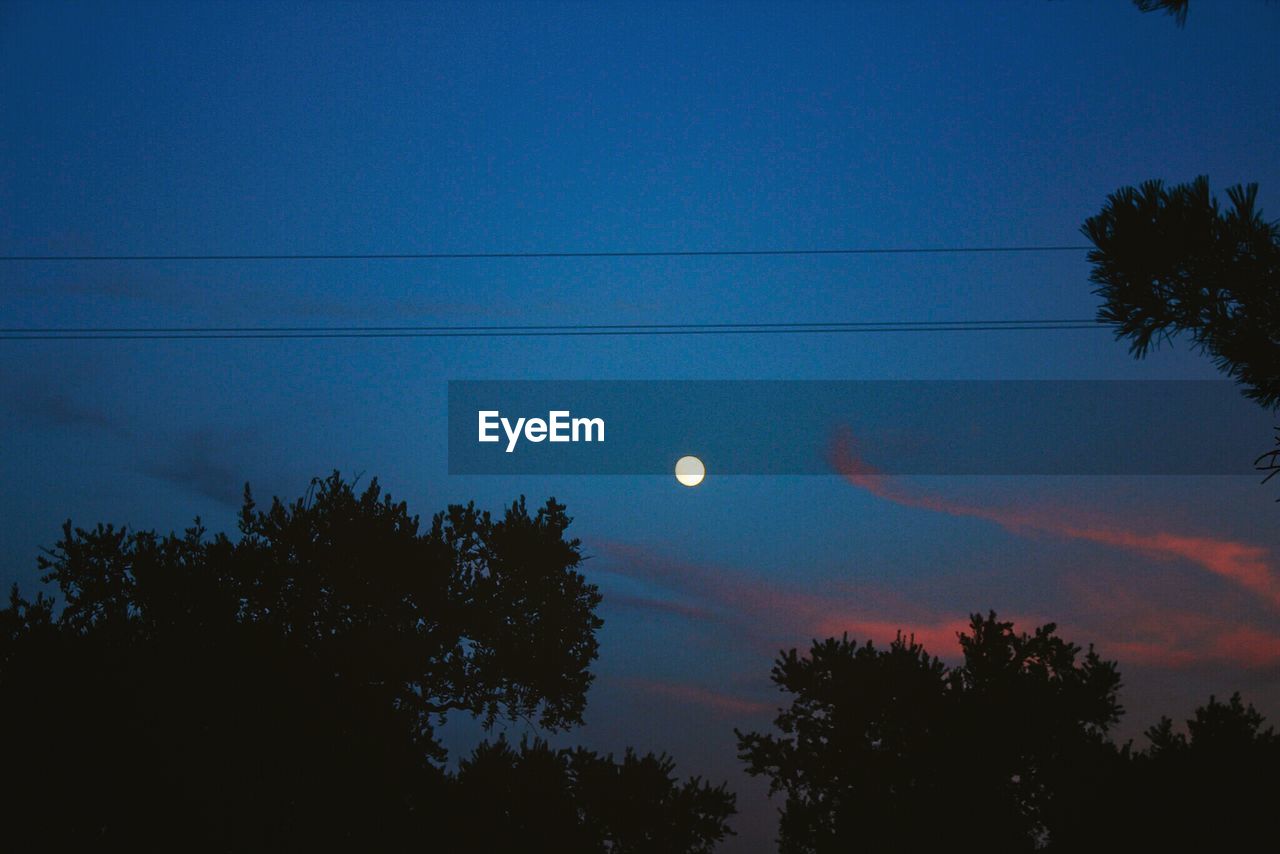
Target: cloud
721, 594
938, 637
1125, 623
1128, 621
60, 410
1241, 563
1181, 640
205, 460
48, 402
723, 705
647, 603
1240, 646
1136, 628
768, 614
200, 463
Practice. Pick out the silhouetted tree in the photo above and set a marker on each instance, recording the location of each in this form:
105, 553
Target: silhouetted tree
1269, 461
1209, 789
1213, 788
1176, 8
281, 691
540, 799
1167, 260
890, 750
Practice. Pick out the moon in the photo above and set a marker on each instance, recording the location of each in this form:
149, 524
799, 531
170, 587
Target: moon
690, 471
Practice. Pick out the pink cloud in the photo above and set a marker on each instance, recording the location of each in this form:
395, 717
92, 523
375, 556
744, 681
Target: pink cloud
723, 593
722, 704
1211, 643
1242, 563
1126, 623
940, 638
765, 611
1136, 629
1248, 646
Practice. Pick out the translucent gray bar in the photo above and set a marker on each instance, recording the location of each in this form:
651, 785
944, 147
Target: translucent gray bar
1067, 427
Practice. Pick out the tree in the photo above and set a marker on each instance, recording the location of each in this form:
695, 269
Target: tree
891, 750
574, 800
1176, 8
1213, 787
475, 615
282, 691
1269, 461
1167, 260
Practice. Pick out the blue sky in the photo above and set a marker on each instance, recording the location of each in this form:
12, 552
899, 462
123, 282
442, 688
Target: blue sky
317, 128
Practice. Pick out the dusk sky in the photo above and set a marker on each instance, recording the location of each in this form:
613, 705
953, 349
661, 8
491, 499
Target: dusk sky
317, 128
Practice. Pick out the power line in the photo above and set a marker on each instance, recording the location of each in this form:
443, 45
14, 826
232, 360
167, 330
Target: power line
564, 330
468, 256
548, 326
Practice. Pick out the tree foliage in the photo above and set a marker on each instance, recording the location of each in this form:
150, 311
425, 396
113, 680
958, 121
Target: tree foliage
1269, 461
474, 614
1168, 260
1176, 8
891, 750
282, 690
536, 798
886, 749
1211, 788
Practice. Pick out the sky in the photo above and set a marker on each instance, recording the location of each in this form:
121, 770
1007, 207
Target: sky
531, 127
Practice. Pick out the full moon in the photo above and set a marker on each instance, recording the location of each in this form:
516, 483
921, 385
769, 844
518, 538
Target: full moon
690, 471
